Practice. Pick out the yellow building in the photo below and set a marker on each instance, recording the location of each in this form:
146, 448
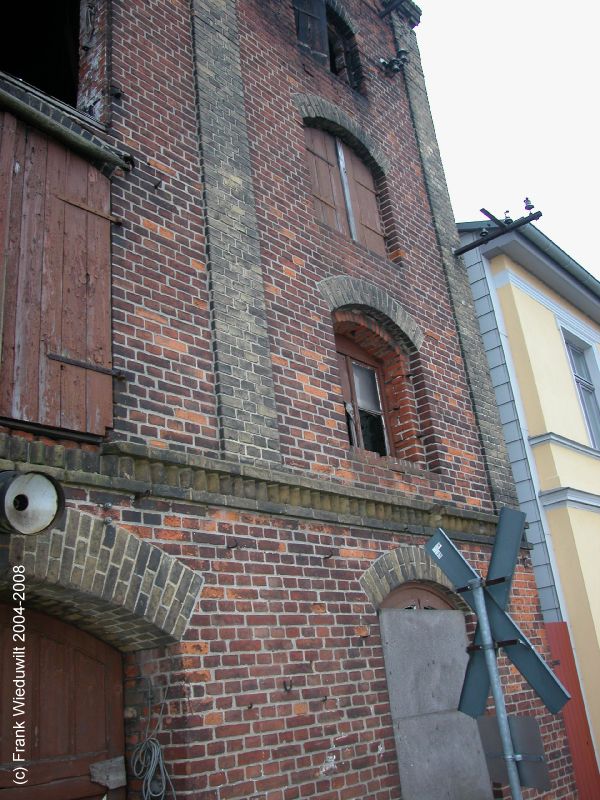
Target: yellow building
539, 315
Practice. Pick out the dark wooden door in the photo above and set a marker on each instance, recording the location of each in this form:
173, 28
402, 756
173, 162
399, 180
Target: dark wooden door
73, 709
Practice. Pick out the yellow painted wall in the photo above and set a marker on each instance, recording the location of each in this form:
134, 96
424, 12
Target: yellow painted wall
544, 374
576, 538
558, 466
551, 405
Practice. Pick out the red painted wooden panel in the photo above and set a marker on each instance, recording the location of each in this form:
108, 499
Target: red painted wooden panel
29, 289
328, 194
55, 283
74, 296
8, 127
13, 154
74, 709
52, 286
587, 776
98, 333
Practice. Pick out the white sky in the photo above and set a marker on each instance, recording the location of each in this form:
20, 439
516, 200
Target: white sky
514, 88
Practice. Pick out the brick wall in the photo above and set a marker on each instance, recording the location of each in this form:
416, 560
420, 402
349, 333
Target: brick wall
229, 450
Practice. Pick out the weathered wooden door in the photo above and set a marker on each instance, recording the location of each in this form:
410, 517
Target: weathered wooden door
72, 709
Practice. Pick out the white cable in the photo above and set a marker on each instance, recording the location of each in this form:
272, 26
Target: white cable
148, 763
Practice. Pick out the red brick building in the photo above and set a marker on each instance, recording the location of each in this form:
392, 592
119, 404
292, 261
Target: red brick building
234, 331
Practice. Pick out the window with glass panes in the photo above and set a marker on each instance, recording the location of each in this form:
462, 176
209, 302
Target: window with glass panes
361, 379
586, 390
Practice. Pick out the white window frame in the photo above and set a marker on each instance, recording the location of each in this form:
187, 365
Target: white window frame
582, 383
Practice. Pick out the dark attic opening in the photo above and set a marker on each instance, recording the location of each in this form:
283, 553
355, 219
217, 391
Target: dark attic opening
40, 45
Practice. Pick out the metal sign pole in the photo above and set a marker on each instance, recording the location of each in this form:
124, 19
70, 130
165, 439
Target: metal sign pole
489, 652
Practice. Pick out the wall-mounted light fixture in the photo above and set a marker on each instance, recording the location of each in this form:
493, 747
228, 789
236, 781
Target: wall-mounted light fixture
30, 502
394, 65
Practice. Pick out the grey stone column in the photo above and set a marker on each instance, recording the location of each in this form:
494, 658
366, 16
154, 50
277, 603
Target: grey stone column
478, 377
244, 381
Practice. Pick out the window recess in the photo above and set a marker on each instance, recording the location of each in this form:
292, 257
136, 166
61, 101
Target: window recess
58, 48
344, 191
311, 28
329, 39
361, 387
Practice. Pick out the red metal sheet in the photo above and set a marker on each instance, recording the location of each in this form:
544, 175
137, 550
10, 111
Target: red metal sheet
587, 776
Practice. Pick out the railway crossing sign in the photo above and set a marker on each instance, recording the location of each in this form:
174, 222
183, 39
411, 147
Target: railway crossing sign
489, 598
505, 633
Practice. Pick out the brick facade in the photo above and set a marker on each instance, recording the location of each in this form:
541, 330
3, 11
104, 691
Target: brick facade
228, 467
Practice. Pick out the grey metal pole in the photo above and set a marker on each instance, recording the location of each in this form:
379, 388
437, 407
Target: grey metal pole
490, 659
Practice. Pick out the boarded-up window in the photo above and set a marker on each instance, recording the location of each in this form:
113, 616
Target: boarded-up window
311, 27
344, 191
55, 356
72, 705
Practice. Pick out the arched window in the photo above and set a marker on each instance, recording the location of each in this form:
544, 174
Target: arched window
413, 596
376, 382
344, 190
362, 382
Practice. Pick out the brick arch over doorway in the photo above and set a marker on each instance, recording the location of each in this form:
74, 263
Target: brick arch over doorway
407, 564
103, 579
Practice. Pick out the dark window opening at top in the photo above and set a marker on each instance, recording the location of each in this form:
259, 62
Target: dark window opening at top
40, 45
329, 39
343, 53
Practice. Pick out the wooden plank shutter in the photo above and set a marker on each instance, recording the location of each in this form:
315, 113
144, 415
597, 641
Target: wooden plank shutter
55, 276
363, 197
311, 27
327, 189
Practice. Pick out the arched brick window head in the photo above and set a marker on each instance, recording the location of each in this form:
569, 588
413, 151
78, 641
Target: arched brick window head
344, 191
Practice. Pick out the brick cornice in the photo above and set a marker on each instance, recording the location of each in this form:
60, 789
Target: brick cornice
141, 471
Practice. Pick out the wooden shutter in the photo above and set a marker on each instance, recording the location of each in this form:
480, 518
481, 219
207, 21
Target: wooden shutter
328, 194
363, 198
55, 357
311, 27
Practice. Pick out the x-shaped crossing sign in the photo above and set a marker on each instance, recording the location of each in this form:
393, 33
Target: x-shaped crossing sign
505, 632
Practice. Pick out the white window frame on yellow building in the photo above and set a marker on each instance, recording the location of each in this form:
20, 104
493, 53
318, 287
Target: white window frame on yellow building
587, 384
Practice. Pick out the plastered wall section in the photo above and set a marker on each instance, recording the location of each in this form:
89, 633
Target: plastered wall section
544, 375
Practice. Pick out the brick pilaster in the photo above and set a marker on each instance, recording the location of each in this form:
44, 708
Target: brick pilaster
244, 383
